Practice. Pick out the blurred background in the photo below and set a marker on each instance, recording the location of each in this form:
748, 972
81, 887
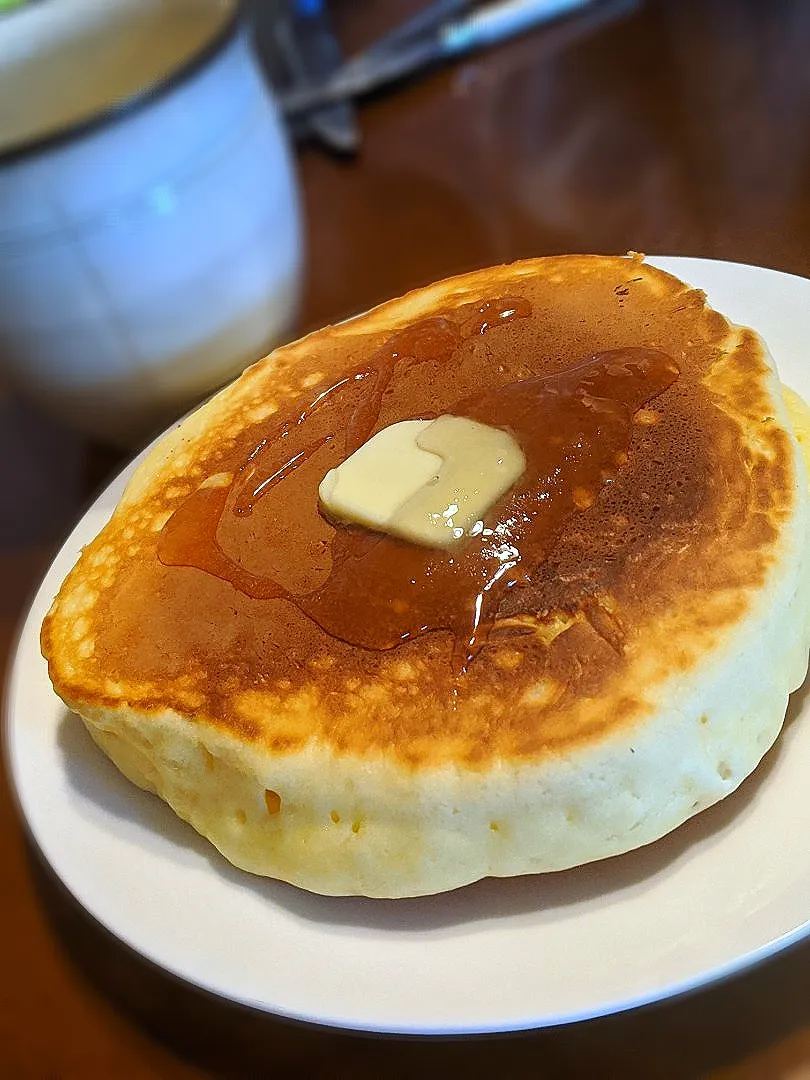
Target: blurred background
153, 243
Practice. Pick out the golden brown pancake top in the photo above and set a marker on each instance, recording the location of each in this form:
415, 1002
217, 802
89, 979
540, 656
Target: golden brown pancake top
650, 559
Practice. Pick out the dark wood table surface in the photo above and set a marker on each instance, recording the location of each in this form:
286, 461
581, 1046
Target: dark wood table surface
681, 129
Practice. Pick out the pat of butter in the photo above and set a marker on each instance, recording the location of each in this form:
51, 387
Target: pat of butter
371, 485
428, 481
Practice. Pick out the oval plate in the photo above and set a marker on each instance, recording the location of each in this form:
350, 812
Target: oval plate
707, 900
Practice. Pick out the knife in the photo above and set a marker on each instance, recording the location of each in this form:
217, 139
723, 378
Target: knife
485, 27
314, 55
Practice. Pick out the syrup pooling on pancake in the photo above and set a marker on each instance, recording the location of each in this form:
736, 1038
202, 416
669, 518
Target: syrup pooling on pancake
429, 341
574, 429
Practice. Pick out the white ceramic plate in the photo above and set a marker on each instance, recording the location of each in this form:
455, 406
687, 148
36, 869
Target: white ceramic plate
728, 888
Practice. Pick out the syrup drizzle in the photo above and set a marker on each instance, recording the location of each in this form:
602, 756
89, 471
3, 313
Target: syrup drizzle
574, 429
431, 340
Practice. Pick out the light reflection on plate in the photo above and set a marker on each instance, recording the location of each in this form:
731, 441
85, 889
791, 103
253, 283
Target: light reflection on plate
708, 900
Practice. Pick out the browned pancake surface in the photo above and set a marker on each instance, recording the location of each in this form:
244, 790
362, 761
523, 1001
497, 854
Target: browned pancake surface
642, 579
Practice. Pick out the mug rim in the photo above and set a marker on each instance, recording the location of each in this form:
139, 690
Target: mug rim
134, 102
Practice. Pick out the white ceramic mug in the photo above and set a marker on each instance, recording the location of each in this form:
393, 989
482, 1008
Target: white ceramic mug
150, 241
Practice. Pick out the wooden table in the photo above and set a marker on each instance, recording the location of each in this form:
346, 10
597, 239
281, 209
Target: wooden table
684, 129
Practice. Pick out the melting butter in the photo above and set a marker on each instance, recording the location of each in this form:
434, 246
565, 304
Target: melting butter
384, 473
430, 482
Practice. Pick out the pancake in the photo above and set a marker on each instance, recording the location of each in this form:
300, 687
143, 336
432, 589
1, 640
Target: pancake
355, 714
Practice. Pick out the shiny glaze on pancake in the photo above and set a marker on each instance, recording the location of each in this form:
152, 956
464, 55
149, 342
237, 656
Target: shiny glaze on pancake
574, 429
635, 587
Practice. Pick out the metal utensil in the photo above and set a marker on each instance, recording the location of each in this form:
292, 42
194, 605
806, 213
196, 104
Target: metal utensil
483, 28
312, 54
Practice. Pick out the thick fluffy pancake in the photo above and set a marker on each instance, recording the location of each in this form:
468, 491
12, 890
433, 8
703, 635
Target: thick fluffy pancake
638, 677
